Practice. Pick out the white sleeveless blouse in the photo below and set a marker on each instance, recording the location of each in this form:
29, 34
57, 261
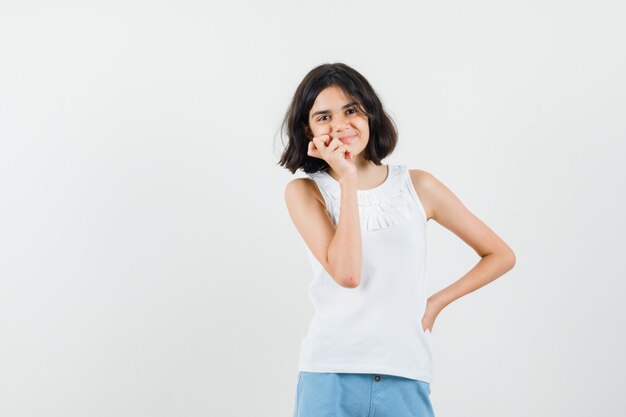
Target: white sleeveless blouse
375, 327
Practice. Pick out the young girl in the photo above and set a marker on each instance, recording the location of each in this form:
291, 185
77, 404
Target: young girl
368, 348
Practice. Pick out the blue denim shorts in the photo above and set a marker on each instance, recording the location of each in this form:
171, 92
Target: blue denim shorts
321, 394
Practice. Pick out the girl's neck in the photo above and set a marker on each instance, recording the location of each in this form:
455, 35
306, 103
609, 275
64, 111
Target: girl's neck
369, 174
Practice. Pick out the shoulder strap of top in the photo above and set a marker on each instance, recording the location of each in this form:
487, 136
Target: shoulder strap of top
411, 190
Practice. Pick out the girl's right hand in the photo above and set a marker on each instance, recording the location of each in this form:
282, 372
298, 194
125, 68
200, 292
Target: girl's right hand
334, 152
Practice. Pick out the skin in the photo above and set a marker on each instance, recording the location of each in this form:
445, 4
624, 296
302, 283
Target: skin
335, 122
338, 248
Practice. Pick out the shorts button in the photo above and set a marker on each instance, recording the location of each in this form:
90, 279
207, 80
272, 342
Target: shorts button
377, 378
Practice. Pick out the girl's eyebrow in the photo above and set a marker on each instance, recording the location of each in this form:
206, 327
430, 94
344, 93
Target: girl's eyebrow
328, 111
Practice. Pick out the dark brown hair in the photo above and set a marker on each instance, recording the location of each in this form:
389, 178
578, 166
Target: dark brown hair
383, 134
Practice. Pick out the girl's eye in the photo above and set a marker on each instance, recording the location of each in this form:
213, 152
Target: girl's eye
325, 117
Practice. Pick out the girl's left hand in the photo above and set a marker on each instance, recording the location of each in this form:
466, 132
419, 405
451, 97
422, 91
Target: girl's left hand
431, 313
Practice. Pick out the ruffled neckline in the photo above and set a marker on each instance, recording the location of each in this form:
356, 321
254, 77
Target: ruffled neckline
365, 197
381, 207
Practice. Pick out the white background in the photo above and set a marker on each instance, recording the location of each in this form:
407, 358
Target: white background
148, 266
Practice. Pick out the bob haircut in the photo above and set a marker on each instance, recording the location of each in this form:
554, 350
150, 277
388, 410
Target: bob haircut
383, 135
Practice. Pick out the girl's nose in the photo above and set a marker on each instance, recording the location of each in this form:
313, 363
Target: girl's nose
339, 122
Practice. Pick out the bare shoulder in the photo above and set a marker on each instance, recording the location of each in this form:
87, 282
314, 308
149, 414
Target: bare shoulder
423, 179
302, 189
425, 185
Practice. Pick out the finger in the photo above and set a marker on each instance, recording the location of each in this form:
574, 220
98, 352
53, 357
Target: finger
318, 143
334, 144
342, 148
322, 140
312, 150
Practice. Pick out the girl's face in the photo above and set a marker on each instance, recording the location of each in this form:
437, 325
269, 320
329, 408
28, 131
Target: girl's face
334, 114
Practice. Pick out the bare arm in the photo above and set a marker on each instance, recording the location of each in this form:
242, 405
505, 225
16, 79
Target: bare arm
496, 257
345, 249
338, 249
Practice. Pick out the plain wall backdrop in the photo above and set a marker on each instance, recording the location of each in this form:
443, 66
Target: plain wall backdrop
148, 265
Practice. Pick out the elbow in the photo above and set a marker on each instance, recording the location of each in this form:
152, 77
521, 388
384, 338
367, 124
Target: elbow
510, 259
350, 279
350, 282
504, 257
504, 260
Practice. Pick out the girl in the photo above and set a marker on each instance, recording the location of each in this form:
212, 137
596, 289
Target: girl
368, 348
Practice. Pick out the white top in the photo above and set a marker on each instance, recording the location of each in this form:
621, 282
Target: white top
377, 326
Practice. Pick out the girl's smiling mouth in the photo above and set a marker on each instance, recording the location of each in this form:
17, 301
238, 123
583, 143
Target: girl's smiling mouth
347, 138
